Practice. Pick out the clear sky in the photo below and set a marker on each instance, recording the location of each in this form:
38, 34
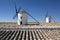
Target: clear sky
37, 8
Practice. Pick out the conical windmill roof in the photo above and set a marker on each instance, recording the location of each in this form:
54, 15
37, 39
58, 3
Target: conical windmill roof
21, 11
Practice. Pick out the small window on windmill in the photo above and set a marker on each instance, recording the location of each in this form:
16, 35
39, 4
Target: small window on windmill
21, 17
21, 22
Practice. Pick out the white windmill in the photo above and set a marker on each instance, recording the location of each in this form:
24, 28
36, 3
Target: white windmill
48, 18
21, 15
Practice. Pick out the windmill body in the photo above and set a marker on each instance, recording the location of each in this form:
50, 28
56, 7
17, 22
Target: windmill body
48, 19
22, 17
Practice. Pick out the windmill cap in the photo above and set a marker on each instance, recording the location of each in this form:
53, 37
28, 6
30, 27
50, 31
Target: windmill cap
48, 16
21, 10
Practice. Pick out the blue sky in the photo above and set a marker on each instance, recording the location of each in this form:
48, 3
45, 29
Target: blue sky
37, 8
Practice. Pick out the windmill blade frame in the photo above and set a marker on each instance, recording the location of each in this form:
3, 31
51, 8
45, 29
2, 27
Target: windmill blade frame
16, 10
14, 16
53, 20
33, 18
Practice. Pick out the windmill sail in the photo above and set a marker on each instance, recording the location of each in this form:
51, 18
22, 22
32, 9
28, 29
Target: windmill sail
15, 10
53, 20
46, 14
33, 17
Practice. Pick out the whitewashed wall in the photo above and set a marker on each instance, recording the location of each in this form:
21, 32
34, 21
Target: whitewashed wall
48, 19
24, 18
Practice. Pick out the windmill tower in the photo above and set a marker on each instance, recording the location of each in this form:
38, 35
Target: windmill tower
21, 15
48, 18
